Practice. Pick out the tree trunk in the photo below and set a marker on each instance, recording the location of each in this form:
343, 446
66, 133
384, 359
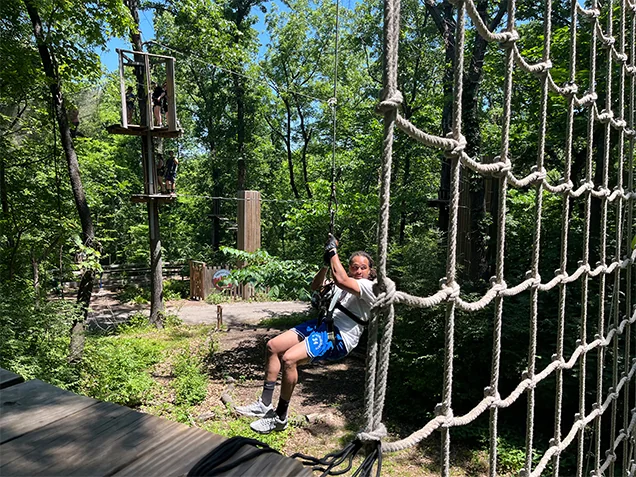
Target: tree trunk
240, 131
88, 232
447, 28
306, 139
4, 201
288, 147
147, 142
217, 191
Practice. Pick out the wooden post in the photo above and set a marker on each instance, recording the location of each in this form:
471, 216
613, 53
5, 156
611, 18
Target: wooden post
122, 91
249, 227
219, 317
249, 220
170, 92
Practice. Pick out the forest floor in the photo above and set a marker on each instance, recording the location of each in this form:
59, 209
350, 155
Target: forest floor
327, 406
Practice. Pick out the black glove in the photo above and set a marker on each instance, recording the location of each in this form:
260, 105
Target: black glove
331, 243
330, 249
327, 257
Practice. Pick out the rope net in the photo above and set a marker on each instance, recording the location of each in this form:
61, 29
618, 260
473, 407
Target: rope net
614, 116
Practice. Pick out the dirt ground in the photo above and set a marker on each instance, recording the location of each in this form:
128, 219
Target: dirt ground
327, 407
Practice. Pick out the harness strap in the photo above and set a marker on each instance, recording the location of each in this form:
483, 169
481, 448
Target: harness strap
350, 314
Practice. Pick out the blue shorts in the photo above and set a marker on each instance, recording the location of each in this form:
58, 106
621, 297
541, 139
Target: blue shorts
317, 341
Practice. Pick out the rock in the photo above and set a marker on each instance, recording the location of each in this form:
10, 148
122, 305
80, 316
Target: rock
321, 418
206, 416
227, 400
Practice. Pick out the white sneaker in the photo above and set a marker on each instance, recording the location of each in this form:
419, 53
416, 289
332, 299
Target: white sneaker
256, 409
271, 422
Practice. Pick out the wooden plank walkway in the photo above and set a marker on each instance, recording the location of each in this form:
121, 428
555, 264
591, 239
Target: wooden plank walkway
47, 431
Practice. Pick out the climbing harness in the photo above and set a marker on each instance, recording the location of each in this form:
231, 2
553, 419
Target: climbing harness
326, 300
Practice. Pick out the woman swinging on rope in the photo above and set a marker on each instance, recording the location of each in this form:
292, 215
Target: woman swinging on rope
316, 339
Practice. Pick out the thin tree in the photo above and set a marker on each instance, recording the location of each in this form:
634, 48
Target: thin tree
88, 232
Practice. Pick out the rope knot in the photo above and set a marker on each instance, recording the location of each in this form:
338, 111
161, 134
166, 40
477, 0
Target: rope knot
535, 279
605, 116
459, 144
375, 435
562, 274
603, 192
570, 88
452, 290
490, 391
608, 40
441, 409
544, 67
620, 123
498, 286
510, 37
389, 102
384, 297
539, 174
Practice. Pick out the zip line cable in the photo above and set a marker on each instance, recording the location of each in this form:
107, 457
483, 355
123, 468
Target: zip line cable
267, 82
194, 196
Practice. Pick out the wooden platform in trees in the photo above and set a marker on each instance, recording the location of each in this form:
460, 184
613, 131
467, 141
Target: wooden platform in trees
45, 430
161, 198
136, 130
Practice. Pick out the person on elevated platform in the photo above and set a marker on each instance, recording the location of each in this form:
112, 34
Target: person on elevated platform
317, 339
158, 94
130, 104
170, 172
161, 172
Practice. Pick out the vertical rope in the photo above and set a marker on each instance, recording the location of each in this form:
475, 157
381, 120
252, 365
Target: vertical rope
603, 246
619, 238
627, 446
451, 265
333, 201
374, 397
501, 244
565, 214
586, 247
536, 245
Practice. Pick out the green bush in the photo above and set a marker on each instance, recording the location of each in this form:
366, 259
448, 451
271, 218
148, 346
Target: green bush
176, 289
116, 369
285, 279
136, 322
190, 384
34, 334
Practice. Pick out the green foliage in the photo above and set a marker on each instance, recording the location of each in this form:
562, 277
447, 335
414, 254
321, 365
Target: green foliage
230, 427
176, 289
135, 323
286, 279
190, 383
34, 336
217, 298
117, 368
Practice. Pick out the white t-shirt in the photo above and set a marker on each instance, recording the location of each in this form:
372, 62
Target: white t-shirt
361, 307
